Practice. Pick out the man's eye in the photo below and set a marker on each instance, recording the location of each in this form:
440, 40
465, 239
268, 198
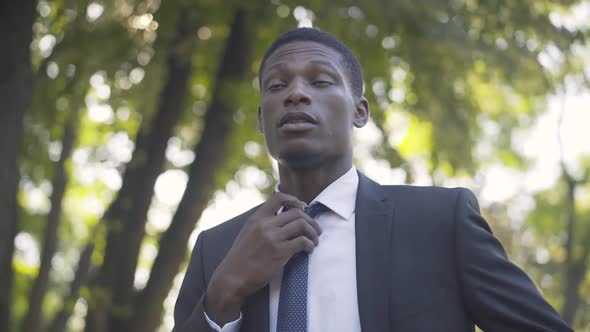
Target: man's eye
276, 86
321, 83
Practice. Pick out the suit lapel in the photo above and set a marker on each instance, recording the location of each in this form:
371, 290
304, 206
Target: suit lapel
373, 225
256, 311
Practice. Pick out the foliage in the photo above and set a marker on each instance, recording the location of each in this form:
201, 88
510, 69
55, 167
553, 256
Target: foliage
438, 76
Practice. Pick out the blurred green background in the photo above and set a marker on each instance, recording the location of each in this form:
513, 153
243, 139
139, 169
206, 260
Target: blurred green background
127, 126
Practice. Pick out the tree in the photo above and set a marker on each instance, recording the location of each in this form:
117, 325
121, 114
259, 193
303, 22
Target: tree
138, 80
16, 86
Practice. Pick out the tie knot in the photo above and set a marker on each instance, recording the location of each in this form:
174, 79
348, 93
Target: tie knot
316, 209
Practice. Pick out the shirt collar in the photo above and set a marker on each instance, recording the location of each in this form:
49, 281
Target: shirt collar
340, 195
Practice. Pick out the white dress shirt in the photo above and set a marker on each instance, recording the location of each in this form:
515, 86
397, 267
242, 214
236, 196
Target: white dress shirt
332, 303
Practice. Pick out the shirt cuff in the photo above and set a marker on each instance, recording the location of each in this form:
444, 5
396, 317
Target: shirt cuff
229, 327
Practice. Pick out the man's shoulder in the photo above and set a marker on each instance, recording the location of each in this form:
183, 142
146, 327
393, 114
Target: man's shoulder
424, 192
428, 200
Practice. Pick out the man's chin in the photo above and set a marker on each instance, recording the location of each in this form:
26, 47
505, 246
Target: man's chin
302, 159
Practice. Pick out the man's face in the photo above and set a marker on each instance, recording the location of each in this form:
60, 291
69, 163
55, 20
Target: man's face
308, 110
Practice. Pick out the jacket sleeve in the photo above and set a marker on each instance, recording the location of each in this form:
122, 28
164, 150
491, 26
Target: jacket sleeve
498, 295
189, 311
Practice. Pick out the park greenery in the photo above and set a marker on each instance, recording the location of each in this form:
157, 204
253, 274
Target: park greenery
103, 100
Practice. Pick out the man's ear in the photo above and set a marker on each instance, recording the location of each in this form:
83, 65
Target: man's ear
260, 127
361, 113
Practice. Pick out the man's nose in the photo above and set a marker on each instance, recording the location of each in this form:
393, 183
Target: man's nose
297, 94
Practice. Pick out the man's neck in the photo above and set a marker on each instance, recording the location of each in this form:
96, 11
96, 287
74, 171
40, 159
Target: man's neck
307, 184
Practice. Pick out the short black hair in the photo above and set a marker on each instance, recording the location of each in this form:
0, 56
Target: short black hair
349, 61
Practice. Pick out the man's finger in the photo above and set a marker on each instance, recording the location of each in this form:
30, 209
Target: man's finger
288, 216
298, 244
297, 228
272, 205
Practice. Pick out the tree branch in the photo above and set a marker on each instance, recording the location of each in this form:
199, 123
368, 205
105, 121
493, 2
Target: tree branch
575, 265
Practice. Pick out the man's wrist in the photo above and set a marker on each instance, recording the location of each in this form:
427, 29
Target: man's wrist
223, 301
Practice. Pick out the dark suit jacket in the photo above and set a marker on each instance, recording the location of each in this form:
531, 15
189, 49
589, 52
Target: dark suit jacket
426, 261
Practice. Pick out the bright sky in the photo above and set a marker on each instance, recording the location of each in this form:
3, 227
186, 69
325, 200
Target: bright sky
541, 144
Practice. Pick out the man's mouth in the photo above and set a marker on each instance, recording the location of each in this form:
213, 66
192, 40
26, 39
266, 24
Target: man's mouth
296, 117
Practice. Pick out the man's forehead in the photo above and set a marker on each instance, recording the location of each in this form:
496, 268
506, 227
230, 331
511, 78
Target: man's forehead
303, 50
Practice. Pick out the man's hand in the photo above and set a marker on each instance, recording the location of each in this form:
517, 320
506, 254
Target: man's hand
263, 247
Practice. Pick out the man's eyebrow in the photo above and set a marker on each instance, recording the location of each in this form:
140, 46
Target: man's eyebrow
279, 65
327, 64
265, 77
282, 65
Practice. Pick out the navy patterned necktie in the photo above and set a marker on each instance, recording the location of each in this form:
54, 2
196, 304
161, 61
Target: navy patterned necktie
292, 315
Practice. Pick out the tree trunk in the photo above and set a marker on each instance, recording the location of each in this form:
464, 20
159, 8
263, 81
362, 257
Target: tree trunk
576, 264
16, 85
575, 274
211, 153
126, 216
60, 320
33, 316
